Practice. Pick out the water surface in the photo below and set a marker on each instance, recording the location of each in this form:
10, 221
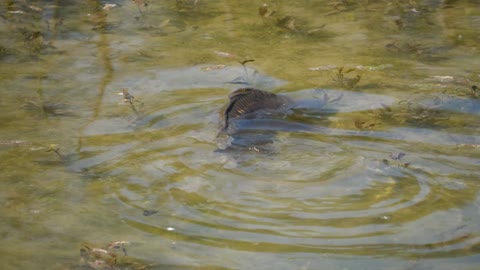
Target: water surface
379, 171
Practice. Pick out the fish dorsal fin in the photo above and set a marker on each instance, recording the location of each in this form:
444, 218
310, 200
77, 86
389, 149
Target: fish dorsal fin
248, 100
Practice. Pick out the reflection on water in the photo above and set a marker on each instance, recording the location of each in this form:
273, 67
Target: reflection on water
375, 167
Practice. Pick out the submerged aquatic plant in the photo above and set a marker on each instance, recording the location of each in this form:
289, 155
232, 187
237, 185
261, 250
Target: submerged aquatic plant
48, 108
128, 98
56, 150
345, 81
27, 22
416, 49
265, 11
112, 256
285, 21
325, 98
417, 113
246, 79
107, 257
361, 124
473, 92
412, 111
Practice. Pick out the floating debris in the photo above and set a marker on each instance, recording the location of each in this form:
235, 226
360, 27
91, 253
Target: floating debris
287, 22
264, 11
149, 212
215, 67
118, 245
34, 8
56, 150
359, 67
16, 12
372, 68
397, 156
323, 68
127, 98
107, 257
396, 160
164, 23
15, 143
468, 145
443, 79
246, 61
225, 54
474, 93
360, 124
109, 6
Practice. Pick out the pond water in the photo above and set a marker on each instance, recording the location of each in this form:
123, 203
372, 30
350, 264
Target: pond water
380, 171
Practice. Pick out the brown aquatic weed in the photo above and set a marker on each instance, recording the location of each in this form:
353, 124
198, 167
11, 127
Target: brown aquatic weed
412, 111
48, 108
130, 99
474, 92
126, 96
57, 151
107, 258
360, 124
343, 80
247, 79
264, 11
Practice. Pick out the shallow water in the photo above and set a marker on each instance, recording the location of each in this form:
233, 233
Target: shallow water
376, 174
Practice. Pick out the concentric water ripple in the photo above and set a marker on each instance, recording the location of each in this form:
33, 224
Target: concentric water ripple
324, 188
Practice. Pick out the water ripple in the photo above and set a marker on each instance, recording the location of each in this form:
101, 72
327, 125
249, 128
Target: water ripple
321, 189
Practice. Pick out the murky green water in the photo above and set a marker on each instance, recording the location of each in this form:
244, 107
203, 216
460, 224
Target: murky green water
383, 173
